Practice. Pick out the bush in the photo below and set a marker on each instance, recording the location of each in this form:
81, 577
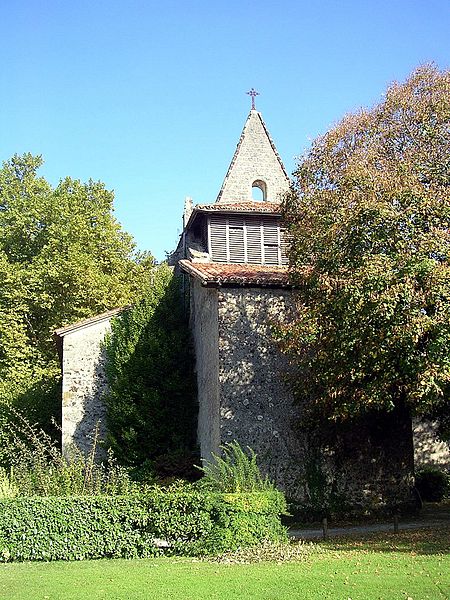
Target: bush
245, 519
432, 484
183, 520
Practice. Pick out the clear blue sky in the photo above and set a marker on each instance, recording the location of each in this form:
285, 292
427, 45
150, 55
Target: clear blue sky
149, 97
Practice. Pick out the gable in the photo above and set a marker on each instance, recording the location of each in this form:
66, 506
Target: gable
255, 164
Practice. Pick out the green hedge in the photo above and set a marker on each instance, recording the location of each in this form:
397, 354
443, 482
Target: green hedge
192, 522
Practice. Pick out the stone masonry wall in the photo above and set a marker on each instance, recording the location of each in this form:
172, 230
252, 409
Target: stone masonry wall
84, 383
368, 467
429, 450
256, 407
204, 329
255, 159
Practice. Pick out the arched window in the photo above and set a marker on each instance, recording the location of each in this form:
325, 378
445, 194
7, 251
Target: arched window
259, 191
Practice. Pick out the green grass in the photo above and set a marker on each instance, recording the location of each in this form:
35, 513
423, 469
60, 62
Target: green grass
408, 565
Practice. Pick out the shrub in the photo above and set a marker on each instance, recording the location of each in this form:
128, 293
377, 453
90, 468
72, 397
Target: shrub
235, 471
178, 520
245, 519
432, 484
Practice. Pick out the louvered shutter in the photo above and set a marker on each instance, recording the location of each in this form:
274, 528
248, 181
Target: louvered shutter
271, 242
253, 227
249, 239
218, 230
284, 246
236, 242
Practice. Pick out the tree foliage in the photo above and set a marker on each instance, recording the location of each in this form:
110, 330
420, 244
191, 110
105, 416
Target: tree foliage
151, 405
369, 218
63, 257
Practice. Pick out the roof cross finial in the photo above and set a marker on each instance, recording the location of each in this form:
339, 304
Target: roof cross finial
253, 93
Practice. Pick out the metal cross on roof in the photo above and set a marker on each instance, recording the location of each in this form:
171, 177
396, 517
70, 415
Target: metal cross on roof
253, 93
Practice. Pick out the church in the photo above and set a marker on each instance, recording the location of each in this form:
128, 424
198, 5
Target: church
232, 254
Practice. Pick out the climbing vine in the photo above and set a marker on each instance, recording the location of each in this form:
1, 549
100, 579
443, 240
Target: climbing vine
151, 404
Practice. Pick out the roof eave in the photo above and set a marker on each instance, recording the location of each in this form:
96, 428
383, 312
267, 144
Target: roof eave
218, 282
224, 209
83, 324
239, 283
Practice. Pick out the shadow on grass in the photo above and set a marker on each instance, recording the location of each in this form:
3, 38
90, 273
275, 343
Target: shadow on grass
427, 541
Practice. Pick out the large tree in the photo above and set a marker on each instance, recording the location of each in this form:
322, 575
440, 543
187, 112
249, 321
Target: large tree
369, 219
63, 257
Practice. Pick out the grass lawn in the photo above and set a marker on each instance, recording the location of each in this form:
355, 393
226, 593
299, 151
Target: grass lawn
410, 565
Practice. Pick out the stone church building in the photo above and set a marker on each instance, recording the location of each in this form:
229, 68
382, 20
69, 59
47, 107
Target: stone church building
232, 254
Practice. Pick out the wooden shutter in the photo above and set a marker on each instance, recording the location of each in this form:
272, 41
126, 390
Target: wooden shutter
218, 233
271, 242
236, 242
253, 227
284, 246
250, 239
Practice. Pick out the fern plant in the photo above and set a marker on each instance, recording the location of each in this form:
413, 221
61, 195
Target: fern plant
236, 470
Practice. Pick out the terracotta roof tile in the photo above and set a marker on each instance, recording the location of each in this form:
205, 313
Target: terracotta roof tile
216, 274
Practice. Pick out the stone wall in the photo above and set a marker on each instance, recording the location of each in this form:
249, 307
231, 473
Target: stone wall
84, 383
429, 450
256, 406
244, 395
255, 159
205, 334
370, 462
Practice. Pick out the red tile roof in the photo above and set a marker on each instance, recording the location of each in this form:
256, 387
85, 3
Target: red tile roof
250, 207
217, 274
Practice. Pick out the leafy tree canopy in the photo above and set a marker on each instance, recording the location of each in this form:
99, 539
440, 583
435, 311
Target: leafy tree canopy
369, 217
63, 257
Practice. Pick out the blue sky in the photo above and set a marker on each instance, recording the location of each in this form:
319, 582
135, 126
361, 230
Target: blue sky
149, 97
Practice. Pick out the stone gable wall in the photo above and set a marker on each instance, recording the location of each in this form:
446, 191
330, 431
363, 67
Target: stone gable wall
84, 383
255, 160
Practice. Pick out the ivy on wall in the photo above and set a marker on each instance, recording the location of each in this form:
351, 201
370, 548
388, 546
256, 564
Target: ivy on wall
151, 404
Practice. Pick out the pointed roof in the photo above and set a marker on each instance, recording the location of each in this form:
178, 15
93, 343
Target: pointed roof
256, 163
